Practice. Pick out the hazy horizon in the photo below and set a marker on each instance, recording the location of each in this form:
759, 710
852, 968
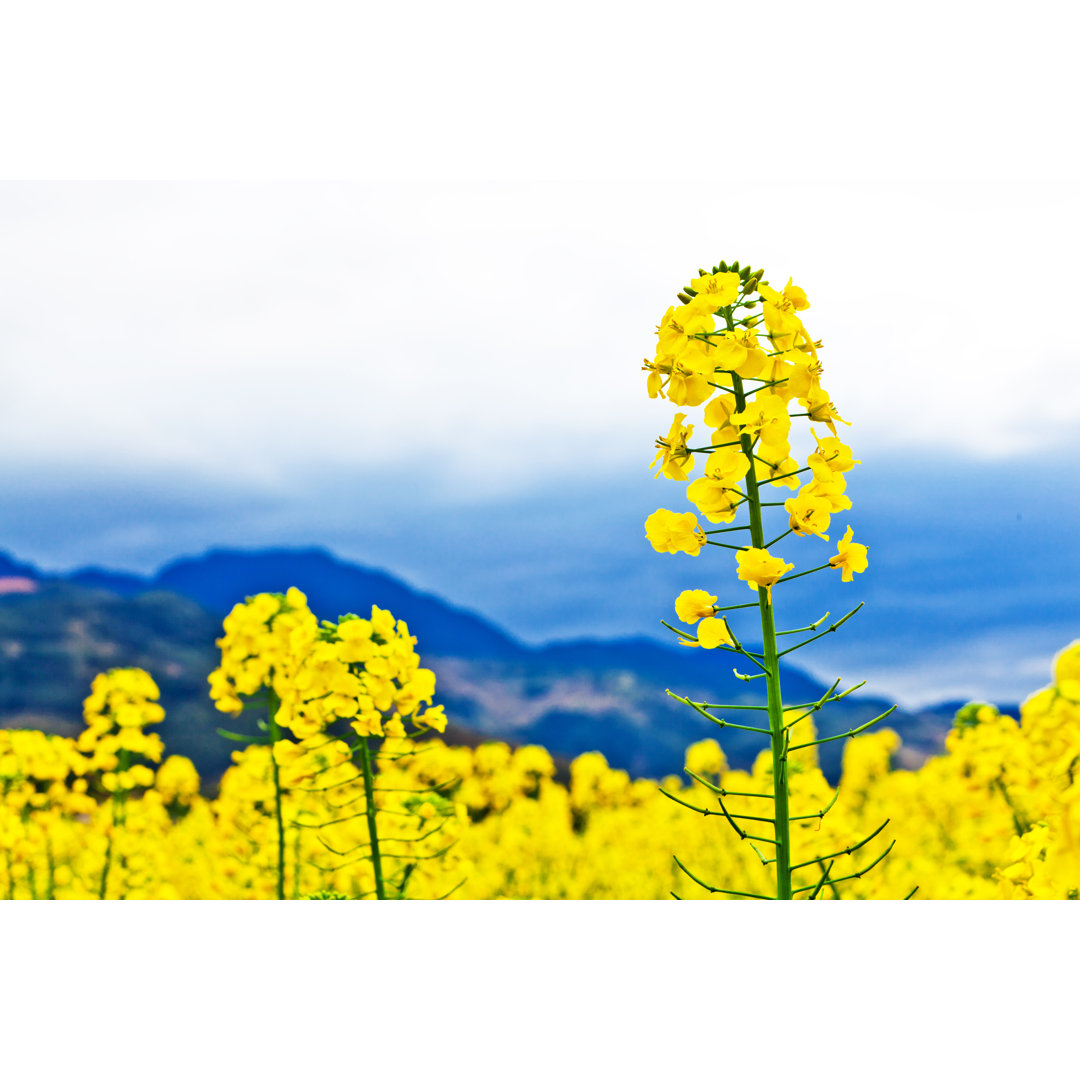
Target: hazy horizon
962, 599
444, 380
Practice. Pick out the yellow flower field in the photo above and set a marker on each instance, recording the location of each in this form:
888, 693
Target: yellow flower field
997, 815
341, 788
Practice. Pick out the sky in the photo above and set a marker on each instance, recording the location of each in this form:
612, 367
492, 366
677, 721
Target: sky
392, 298
486, 336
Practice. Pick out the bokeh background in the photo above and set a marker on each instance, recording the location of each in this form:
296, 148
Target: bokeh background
442, 379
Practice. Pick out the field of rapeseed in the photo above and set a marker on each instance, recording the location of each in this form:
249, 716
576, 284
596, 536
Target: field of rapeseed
997, 815
340, 787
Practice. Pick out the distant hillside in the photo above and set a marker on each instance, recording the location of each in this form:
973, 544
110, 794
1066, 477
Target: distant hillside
570, 697
220, 579
53, 642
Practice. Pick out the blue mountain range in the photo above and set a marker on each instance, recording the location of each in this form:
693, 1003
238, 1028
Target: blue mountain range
570, 696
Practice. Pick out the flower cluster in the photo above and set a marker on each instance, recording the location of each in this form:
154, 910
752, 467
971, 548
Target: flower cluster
996, 815
365, 671
748, 370
267, 638
122, 702
752, 373
361, 673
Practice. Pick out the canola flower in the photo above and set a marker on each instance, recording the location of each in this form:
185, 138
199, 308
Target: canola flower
749, 370
996, 815
315, 680
121, 703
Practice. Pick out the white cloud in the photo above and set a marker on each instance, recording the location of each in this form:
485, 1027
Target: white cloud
493, 332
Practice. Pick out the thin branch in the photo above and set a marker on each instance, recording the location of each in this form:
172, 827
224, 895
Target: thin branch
832, 629
847, 734
776, 540
813, 895
821, 813
843, 851
864, 870
690, 806
805, 629
819, 704
716, 720
746, 708
823, 566
713, 888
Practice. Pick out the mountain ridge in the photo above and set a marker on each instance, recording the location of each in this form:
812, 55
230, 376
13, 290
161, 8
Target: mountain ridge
585, 694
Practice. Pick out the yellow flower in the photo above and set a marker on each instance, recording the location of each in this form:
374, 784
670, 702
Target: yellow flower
354, 644
672, 452
785, 328
671, 532
714, 291
714, 498
791, 299
678, 330
759, 569
795, 373
684, 385
738, 351
718, 411
766, 416
688, 389
434, 718
832, 456
808, 514
727, 465
831, 490
849, 558
694, 604
821, 410
775, 466
713, 632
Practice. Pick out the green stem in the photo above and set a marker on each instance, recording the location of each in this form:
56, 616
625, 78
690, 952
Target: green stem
50, 893
373, 835
296, 866
275, 735
781, 828
122, 764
